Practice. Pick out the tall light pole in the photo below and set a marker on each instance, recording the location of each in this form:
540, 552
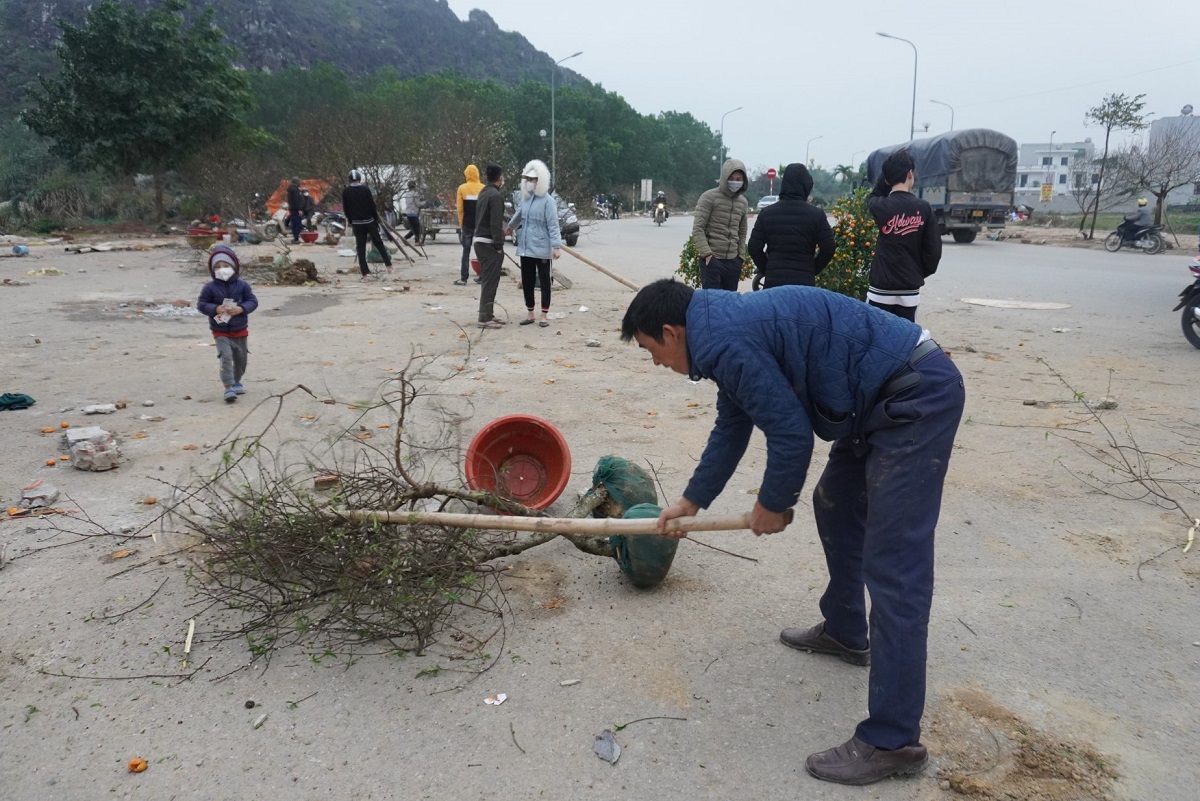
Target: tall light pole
1050, 172
947, 105
721, 145
806, 144
912, 121
553, 150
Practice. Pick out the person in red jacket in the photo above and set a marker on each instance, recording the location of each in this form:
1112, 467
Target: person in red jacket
909, 246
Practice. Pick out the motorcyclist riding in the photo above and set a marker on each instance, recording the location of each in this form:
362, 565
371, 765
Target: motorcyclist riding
1136, 221
661, 198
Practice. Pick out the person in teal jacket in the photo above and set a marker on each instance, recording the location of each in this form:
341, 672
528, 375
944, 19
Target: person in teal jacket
799, 362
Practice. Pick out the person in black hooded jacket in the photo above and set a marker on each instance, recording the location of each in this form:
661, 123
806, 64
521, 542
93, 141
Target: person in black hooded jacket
791, 242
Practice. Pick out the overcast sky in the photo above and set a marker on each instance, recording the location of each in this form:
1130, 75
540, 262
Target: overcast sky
803, 70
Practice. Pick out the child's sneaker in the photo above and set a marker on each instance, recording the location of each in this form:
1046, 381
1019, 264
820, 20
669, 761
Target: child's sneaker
230, 395
238, 389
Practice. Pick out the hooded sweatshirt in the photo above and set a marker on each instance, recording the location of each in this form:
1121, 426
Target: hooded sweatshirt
468, 195
787, 234
216, 291
537, 216
358, 204
719, 228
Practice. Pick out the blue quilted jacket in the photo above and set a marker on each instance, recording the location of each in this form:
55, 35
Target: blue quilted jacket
794, 361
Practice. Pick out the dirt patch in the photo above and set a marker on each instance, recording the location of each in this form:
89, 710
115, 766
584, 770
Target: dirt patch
987, 752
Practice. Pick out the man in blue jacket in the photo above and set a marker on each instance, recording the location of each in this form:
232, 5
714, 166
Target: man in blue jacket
797, 362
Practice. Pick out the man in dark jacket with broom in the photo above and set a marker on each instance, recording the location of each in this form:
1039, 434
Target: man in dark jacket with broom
791, 242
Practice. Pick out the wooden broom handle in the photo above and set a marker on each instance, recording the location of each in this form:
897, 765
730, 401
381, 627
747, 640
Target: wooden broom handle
559, 525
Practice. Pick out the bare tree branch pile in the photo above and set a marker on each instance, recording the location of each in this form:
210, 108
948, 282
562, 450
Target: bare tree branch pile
293, 576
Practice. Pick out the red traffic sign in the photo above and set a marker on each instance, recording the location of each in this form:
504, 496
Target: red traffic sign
771, 174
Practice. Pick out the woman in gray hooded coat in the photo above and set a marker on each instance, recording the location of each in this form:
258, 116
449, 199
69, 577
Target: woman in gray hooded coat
539, 239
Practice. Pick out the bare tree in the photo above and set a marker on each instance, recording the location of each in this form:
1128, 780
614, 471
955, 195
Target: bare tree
456, 134
1085, 185
1116, 112
1171, 160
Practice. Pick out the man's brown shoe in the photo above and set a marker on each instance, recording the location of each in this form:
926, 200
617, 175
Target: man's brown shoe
816, 641
855, 762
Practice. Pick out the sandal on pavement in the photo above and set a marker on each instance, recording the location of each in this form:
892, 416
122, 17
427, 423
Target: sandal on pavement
460, 283
543, 324
527, 322
492, 324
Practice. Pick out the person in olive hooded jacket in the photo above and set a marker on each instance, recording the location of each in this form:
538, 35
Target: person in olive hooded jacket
791, 242
719, 229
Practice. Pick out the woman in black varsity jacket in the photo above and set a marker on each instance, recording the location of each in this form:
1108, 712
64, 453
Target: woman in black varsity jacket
909, 246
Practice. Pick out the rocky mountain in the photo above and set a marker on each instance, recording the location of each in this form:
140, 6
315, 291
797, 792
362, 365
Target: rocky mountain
412, 37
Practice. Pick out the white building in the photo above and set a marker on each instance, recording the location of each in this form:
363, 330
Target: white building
1063, 165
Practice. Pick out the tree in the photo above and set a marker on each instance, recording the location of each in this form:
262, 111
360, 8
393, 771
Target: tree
1085, 182
1116, 112
1171, 160
138, 92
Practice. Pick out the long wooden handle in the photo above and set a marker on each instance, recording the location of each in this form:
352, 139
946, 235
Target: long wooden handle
595, 266
558, 525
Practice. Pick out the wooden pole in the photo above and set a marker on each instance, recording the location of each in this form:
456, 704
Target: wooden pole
559, 525
595, 266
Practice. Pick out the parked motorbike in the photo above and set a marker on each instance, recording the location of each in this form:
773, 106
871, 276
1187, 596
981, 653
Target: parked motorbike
660, 213
1189, 301
1147, 239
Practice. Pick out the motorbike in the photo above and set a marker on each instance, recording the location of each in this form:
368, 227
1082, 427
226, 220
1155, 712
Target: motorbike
660, 213
1147, 239
1189, 301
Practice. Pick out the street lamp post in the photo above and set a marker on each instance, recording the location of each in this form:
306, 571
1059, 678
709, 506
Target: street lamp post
912, 121
721, 145
553, 150
947, 105
1050, 172
806, 144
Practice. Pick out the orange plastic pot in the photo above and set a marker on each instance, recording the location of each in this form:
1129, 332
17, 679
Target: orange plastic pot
521, 457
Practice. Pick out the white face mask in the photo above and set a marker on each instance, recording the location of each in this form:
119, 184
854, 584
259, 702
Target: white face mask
734, 185
529, 186
224, 273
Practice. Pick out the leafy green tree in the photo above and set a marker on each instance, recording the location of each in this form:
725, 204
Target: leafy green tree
1116, 112
137, 92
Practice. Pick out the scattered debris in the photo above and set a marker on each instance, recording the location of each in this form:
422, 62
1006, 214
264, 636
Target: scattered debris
45, 271
326, 482
593, 343
260, 720
100, 408
606, 747
1101, 405
137, 765
569, 682
39, 494
496, 700
92, 448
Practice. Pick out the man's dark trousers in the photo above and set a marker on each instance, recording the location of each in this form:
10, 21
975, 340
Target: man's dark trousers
721, 274
491, 261
361, 234
876, 512
465, 271
296, 220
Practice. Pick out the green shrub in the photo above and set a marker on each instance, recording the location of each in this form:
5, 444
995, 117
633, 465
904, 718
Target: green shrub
855, 233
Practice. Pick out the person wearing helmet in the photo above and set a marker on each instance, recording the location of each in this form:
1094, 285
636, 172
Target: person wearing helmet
661, 197
295, 201
359, 207
1136, 221
410, 202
